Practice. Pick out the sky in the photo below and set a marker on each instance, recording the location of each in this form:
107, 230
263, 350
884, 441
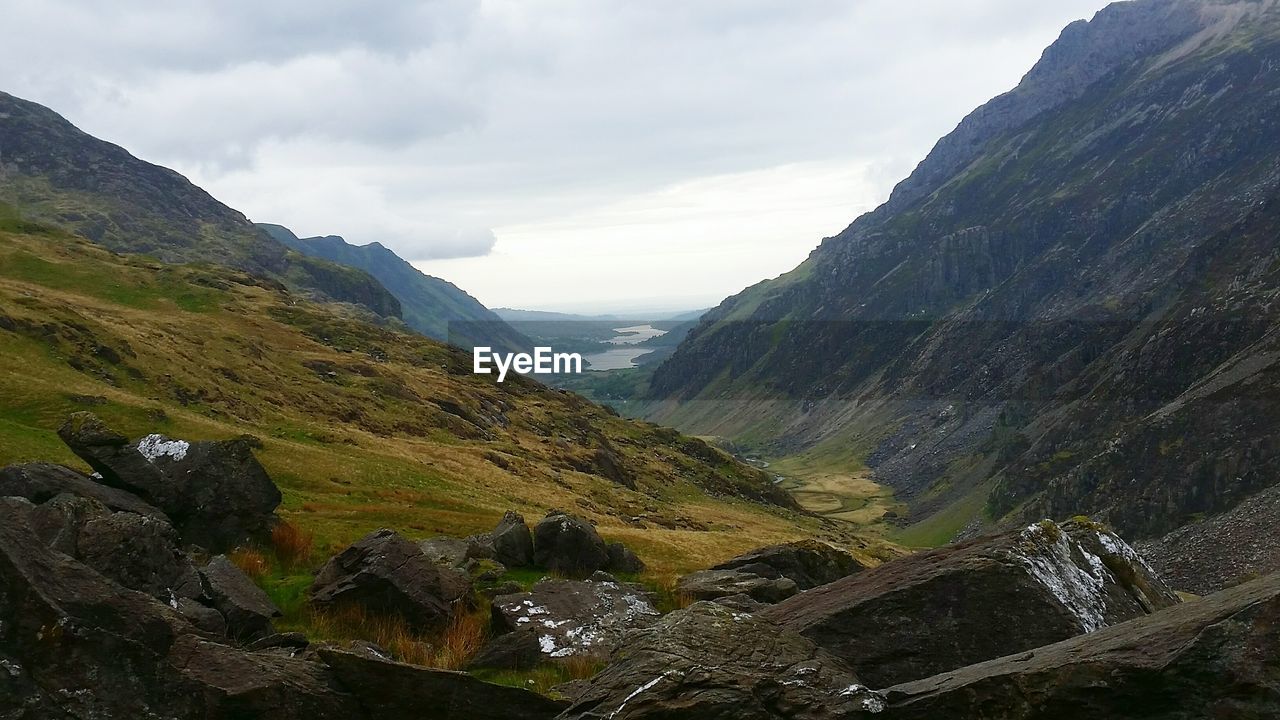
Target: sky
574, 155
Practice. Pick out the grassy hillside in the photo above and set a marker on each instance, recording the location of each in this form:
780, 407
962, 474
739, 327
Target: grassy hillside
362, 426
53, 172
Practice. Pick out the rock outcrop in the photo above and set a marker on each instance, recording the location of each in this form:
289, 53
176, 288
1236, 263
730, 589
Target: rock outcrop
39, 482
247, 609
711, 663
385, 574
570, 545
215, 492
715, 584
74, 644
807, 563
941, 610
1218, 657
575, 617
512, 541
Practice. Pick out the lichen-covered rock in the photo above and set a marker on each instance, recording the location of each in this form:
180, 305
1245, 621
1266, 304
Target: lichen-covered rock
1216, 657
570, 545
711, 663
808, 563
247, 609
512, 541
216, 493
385, 574
714, 584
575, 617
958, 605
515, 650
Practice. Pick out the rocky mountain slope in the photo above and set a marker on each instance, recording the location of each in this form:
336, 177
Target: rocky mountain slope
51, 171
1067, 308
434, 307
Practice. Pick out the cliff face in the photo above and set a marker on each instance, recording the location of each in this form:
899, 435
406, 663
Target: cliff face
1066, 309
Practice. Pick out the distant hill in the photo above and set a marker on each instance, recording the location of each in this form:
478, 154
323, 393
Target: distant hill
432, 306
50, 171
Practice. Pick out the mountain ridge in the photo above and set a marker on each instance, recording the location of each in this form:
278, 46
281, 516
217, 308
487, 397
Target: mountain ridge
433, 306
974, 339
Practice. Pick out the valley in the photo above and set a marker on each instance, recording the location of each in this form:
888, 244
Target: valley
1006, 447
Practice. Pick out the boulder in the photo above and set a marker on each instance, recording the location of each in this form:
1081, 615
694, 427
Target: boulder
225, 495
955, 606
575, 617
711, 663
622, 560
247, 609
75, 644
137, 551
116, 461
512, 541
394, 691
215, 492
39, 482
569, 545
713, 584
1217, 657
516, 650
446, 551
458, 552
808, 563
385, 574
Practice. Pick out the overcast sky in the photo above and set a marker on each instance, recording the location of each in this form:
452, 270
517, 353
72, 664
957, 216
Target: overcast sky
547, 154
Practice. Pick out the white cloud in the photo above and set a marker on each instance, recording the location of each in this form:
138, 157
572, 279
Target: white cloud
424, 124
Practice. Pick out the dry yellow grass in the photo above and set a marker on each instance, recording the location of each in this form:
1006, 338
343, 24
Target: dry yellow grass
208, 361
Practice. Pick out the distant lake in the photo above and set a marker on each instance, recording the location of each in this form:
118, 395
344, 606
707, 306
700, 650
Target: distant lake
624, 356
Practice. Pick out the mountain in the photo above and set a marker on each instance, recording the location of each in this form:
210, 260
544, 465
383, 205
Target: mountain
434, 307
51, 171
1067, 308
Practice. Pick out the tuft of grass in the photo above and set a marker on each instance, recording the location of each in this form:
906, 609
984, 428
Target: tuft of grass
251, 561
450, 648
293, 546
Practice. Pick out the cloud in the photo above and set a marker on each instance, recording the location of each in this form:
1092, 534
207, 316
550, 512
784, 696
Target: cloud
423, 124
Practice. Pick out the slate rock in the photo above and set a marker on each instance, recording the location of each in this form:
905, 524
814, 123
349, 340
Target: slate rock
75, 644
713, 584
216, 493
395, 691
575, 617
516, 650
513, 541
117, 462
1217, 657
246, 607
39, 482
388, 575
569, 545
711, 663
936, 611
808, 563
137, 551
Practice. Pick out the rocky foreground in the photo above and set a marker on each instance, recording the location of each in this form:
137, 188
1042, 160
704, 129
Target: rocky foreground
116, 602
